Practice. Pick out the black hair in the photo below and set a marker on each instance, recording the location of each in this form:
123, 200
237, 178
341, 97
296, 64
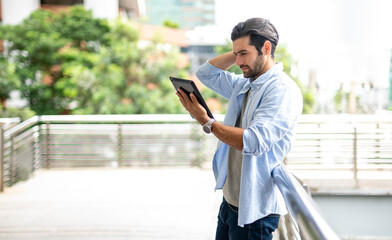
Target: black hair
255, 39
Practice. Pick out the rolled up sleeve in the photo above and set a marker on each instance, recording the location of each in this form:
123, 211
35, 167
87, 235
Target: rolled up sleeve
218, 80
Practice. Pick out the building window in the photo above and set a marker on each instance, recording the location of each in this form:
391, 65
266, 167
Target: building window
62, 2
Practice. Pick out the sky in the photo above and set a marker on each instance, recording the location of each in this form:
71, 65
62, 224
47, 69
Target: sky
344, 41
306, 22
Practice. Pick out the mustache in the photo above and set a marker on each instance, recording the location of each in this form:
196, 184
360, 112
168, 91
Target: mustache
241, 66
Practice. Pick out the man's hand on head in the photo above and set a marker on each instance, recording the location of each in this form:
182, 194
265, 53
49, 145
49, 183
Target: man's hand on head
193, 106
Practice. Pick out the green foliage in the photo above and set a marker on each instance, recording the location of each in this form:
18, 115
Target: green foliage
341, 100
282, 55
8, 79
79, 26
73, 63
98, 72
123, 78
170, 24
36, 46
23, 114
227, 48
34, 42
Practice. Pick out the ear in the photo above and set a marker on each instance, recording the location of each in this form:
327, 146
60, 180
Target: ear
266, 49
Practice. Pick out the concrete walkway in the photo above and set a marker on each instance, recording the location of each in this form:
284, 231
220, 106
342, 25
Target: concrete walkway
165, 203
132, 203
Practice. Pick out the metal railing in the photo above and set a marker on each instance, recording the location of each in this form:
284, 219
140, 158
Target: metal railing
7, 123
354, 144
19, 152
304, 221
351, 145
121, 140
101, 141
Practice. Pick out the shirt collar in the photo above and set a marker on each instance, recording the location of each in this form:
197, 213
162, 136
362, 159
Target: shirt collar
277, 68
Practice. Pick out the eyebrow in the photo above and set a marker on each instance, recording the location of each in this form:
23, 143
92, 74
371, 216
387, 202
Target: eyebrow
240, 51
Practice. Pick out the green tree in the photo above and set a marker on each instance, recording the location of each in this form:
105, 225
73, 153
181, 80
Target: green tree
283, 55
8, 83
32, 47
8, 80
83, 30
73, 63
123, 77
35, 47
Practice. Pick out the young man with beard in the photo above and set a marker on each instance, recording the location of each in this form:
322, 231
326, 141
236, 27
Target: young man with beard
257, 133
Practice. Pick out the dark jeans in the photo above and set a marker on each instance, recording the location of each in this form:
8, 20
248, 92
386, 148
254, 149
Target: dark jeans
228, 225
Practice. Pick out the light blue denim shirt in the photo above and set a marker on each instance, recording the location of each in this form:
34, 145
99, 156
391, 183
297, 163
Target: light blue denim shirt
274, 105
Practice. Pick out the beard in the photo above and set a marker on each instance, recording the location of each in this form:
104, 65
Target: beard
255, 71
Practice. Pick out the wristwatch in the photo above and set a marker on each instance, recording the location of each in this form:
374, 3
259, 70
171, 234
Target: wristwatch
207, 126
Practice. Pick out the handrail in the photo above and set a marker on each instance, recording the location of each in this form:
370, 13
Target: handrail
303, 209
7, 123
310, 150
21, 126
9, 120
122, 118
346, 118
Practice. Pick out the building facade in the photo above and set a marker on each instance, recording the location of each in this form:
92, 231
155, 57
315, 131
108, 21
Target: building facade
13, 12
187, 13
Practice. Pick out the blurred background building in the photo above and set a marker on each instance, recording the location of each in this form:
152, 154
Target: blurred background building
187, 13
13, 13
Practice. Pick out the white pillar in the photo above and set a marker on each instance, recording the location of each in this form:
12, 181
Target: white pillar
107, 9
15, 11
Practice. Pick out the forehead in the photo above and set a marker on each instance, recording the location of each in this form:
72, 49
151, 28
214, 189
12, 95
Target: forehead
242, 44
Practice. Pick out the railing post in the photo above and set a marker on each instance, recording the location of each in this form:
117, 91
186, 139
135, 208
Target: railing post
36, 149
1, 158
47, 146
12, 161
119, 146
355, 157
378, 145
198, 137
318, 151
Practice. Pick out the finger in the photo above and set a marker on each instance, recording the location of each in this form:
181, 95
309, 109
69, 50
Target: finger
179, 95
184, 95
183, 101
193, 98
197, 104
180, 91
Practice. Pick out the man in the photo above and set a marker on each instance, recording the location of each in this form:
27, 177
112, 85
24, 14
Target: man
257, 133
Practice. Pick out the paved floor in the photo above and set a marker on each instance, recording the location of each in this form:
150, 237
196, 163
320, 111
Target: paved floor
173, 203
102, 204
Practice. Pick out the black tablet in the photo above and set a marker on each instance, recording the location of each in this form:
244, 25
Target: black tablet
188, 86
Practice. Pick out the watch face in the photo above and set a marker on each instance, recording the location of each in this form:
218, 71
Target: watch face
206, 129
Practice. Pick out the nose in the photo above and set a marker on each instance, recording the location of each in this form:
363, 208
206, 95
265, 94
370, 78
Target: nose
238, 60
